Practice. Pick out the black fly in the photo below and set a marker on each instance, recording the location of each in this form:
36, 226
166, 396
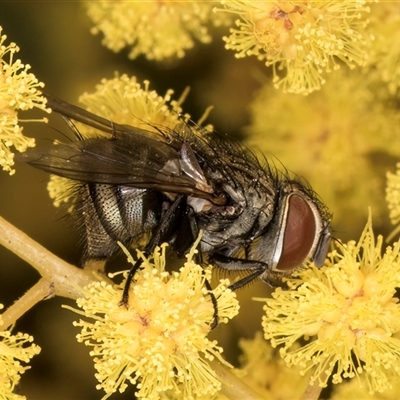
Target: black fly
169, 185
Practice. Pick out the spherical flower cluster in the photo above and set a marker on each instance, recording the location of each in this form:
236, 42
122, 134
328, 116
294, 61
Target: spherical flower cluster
347, 312
19, 90
302, 38
158, 30
126, 101
159, 341
13, 351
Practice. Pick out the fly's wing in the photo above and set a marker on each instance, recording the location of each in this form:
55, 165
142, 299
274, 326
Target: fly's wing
141, 163
131, 157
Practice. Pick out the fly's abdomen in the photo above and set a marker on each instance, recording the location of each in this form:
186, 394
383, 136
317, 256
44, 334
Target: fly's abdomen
116, 213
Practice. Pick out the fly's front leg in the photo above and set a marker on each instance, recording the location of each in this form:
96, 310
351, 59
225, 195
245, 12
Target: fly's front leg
255, 268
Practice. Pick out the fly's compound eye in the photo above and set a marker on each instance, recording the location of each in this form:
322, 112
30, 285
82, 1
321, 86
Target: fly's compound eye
302, 235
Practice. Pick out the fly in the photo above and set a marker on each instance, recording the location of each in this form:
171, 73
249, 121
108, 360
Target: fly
170, 184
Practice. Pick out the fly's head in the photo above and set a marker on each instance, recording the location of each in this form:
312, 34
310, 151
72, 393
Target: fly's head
298, 232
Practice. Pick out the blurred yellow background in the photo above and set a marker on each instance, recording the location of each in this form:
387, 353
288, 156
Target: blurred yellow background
55, 40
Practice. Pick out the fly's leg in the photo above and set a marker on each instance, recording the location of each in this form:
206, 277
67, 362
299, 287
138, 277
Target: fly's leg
214, 301
183, 243
163, 233
255, 268
129, 279
178, 213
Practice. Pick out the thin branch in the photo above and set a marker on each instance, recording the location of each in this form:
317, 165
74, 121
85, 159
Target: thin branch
66, 279
232, 386
40, 291
312, 392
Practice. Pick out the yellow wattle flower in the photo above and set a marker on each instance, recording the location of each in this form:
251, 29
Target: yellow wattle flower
14, 349
159, 342
301, 40
347, 312
157, 30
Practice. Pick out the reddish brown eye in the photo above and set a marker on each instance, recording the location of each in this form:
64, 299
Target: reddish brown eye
299, 234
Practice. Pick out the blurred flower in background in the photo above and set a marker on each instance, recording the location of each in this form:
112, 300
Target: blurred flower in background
263, 369
157, 30
393, 198
340, 138
385, 51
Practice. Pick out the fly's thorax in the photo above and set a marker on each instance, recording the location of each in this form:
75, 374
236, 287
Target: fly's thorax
237, 223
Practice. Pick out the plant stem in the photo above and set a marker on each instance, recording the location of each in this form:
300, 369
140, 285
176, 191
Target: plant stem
65, 279
40, 291
232, 386
312, 392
